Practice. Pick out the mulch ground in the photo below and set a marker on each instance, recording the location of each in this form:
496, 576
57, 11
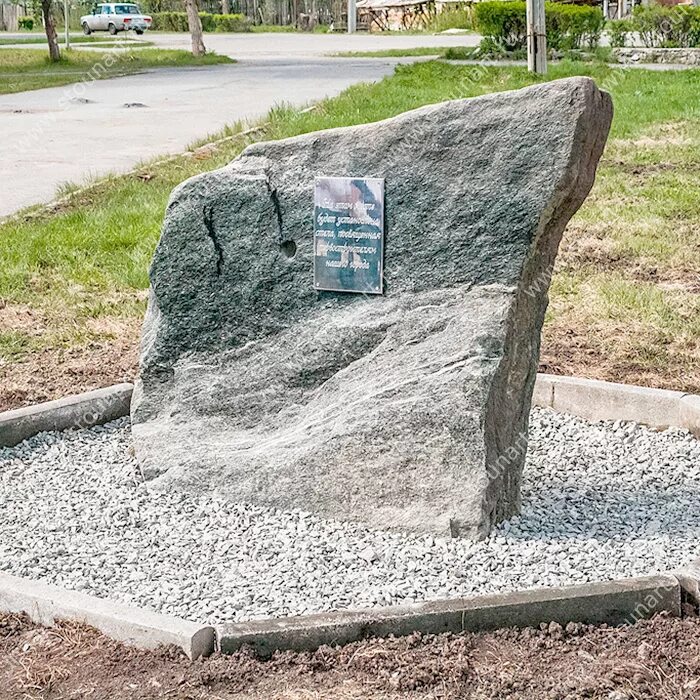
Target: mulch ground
657, 659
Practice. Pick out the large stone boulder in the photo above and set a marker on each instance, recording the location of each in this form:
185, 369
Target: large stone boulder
404, 410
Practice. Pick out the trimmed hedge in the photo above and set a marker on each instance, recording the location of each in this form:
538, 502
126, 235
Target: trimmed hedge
177, 22
231, 23
502, 22
504, 27
573, 26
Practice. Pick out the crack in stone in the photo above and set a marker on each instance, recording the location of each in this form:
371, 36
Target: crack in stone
276, 204
208, 216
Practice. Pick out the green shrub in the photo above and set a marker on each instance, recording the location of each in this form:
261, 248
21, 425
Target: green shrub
457, 18
26, 23
504, 26
177, 22
490, 47
573, 26
619, 30
667, 27
169, 22
231, 23
208, 23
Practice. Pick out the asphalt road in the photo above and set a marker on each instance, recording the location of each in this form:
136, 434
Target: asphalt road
74, 132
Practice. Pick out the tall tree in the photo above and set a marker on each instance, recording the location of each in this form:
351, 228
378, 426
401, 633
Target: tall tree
195, 23
50, 28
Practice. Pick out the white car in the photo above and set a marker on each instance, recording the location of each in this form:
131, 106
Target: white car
115, 17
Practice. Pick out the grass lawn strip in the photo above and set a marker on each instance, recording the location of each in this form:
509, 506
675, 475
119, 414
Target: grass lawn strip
30, 69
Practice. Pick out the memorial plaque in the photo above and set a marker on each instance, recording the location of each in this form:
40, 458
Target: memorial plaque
349, 234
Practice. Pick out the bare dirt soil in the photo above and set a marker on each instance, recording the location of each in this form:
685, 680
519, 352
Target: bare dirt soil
54, 373
652, 660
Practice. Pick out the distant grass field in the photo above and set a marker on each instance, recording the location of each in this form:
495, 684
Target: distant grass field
625, 299
30, 69
397, 53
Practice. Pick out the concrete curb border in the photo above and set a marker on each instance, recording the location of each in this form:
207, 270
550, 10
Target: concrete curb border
77, 411
614, 602
588, 398
595, 400
45, 604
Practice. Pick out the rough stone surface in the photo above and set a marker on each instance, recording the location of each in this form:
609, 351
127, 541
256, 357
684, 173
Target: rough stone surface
407, 410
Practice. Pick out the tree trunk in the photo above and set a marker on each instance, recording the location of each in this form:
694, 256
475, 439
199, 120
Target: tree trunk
50, 27
195, 24
225, 7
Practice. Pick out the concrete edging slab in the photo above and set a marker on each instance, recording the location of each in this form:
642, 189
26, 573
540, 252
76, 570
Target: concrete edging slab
690, 413
614, 602
76, 411
44, 604
597, 400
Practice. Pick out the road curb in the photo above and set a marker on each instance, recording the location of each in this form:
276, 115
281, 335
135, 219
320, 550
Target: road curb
76, 411
614, 603
45, 604
596, 400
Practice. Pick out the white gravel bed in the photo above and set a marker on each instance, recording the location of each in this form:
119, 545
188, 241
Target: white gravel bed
600, 501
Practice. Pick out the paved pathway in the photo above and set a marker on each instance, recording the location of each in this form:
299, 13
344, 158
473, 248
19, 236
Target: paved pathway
53, 136
295, 45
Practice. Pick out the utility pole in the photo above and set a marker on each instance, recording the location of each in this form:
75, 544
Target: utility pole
66, 20
536, 37
352, 16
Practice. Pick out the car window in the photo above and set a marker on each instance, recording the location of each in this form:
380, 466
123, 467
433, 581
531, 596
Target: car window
105, 10
126, 9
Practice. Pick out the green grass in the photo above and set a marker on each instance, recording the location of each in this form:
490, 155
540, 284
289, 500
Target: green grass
272, 29
75, 39
625, 301
461, 53
397, 53
471, 53
29, 69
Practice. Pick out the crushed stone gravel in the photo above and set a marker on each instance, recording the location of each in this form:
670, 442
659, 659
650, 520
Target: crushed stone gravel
600, 501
